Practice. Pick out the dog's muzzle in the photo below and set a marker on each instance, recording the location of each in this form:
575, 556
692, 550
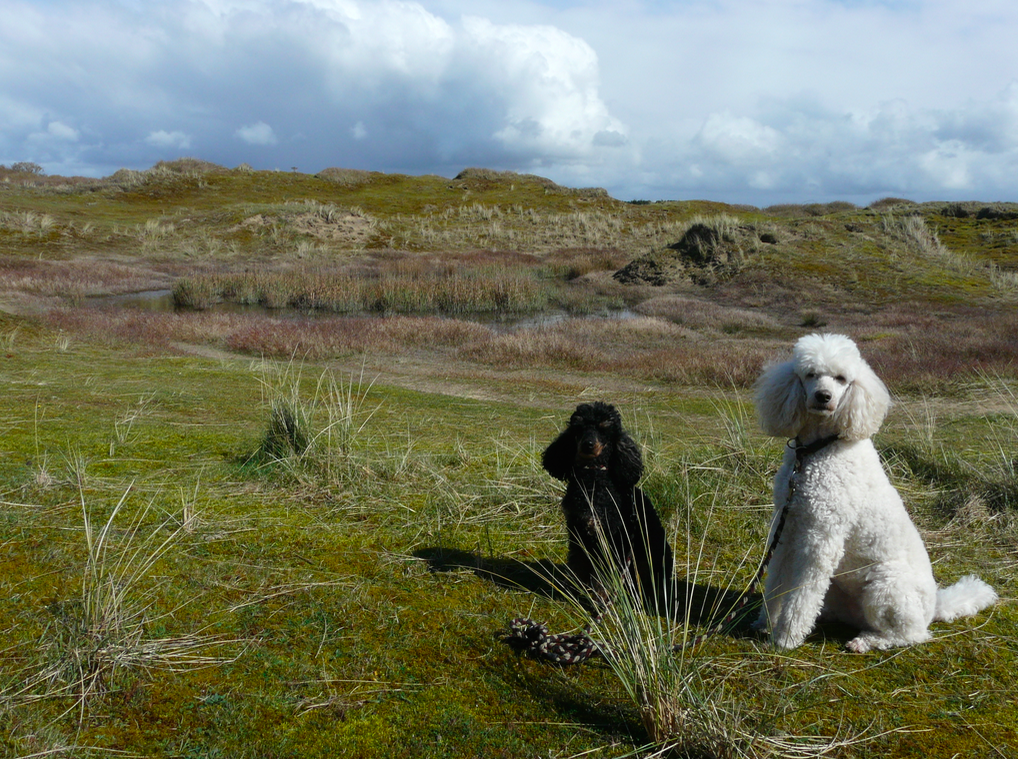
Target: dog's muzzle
821, 403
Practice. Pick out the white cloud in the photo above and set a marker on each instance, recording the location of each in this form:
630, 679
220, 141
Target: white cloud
737, 139
259, 133
549, 80
60, 131
55, 139
949, 165
163, 139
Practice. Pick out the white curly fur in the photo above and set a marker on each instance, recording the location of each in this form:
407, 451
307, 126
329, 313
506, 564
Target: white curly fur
848, 550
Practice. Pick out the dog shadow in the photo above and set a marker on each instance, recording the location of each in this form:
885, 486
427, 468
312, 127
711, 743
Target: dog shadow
545, 577
693, 604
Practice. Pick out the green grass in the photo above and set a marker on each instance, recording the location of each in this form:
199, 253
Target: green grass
351, 596
248, 535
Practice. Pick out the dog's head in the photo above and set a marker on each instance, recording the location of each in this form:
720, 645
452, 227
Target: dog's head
825, 378
594, 438
595, 429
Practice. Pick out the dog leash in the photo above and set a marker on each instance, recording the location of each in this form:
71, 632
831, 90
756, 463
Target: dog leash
802, 452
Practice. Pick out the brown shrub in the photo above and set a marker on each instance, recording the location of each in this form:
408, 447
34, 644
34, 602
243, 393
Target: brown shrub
715, 363
189, 165
348, 177
535, 348
885, 203
75, 279
700, 314
340, 336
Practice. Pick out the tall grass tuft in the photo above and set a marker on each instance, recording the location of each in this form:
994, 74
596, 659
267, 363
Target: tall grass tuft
692, 702
102, 633
913, 230
314, 438
997, 479
288, 432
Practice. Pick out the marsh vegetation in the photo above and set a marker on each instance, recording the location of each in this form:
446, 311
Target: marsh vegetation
302, 531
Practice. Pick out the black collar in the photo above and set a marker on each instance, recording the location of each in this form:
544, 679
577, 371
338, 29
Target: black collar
802, 451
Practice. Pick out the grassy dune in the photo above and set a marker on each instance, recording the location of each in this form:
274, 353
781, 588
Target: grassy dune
257, 533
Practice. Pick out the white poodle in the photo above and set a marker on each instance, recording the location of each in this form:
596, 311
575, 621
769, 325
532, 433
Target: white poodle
847, 548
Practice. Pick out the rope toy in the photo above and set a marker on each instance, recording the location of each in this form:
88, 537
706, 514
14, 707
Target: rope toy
563, 648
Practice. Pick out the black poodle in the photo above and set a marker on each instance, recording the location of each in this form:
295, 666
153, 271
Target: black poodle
602, 464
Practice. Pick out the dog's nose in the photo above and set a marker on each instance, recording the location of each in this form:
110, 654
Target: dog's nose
822, 396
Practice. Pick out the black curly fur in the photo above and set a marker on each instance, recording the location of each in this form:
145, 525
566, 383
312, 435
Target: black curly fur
601, 465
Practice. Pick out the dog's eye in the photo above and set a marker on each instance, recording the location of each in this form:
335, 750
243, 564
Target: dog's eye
841, 378
810, 375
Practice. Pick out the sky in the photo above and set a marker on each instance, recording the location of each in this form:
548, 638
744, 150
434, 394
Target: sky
739, 101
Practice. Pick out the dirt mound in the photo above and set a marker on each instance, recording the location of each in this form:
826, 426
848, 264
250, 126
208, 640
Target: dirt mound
706, 254
482, 179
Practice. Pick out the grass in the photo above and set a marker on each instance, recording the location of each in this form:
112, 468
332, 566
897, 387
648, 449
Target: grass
298, 535
371, 595
691, 703
101, 637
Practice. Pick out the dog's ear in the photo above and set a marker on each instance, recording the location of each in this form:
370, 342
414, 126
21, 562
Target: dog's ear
780, 400
559, 456
626, 465
864, 405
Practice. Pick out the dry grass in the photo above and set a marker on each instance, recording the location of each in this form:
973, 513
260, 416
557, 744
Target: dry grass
516, 227
73, 281
682, 341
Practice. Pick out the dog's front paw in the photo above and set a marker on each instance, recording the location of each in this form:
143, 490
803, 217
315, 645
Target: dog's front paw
859, 645
786, 639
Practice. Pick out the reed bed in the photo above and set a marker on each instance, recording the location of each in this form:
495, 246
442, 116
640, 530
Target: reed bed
405, 287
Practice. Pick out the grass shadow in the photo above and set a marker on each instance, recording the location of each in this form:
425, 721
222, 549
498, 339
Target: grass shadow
614, 720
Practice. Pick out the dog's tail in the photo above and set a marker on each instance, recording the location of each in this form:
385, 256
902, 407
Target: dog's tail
966, 597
